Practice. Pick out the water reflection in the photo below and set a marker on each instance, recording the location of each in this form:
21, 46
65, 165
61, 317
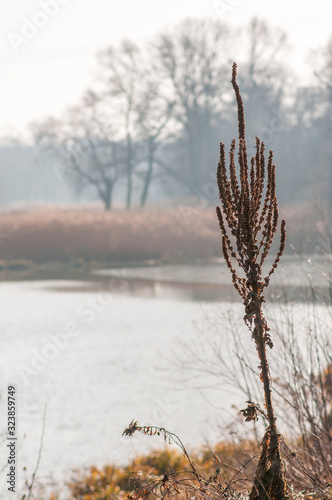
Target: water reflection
295, 280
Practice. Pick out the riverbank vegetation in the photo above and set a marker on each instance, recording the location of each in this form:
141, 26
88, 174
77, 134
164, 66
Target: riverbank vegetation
87, 238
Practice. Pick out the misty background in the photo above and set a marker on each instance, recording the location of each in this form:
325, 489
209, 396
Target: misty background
144, 126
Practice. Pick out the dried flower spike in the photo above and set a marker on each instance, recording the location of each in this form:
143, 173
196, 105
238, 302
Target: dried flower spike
248, 222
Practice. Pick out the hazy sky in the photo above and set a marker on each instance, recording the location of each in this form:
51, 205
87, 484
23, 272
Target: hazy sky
47, 67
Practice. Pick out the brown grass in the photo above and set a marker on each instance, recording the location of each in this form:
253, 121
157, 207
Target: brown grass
61, 234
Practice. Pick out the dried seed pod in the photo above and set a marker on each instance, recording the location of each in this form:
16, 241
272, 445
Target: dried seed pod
248, 222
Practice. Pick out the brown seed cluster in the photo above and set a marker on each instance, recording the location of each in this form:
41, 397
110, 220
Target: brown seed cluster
248, 222
249, 216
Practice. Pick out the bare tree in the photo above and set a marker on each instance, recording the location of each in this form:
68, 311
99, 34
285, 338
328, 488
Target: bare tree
191, 60
266, 47
264, 74
82, 148
154, 113
121, 82
323, 74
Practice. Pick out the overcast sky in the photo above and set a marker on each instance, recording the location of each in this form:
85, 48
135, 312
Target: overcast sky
50, 66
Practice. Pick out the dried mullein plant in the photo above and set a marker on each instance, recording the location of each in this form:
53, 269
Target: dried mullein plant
248, 222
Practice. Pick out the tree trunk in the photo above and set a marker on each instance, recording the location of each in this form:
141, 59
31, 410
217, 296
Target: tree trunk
330, 193
193, 159
108, 198
129, 172
148, 175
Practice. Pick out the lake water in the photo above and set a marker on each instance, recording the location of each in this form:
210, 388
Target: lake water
99, 353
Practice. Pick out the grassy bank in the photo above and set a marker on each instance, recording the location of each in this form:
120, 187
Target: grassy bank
224, 471
73, 237
64, 234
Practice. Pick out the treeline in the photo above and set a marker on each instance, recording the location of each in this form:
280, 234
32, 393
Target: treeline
150, 124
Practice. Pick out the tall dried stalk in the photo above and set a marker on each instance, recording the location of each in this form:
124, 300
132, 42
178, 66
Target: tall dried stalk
248, 223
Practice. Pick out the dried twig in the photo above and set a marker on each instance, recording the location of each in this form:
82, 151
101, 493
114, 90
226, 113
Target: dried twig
33, 478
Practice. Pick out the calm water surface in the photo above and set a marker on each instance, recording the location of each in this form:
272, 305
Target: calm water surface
98, 354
